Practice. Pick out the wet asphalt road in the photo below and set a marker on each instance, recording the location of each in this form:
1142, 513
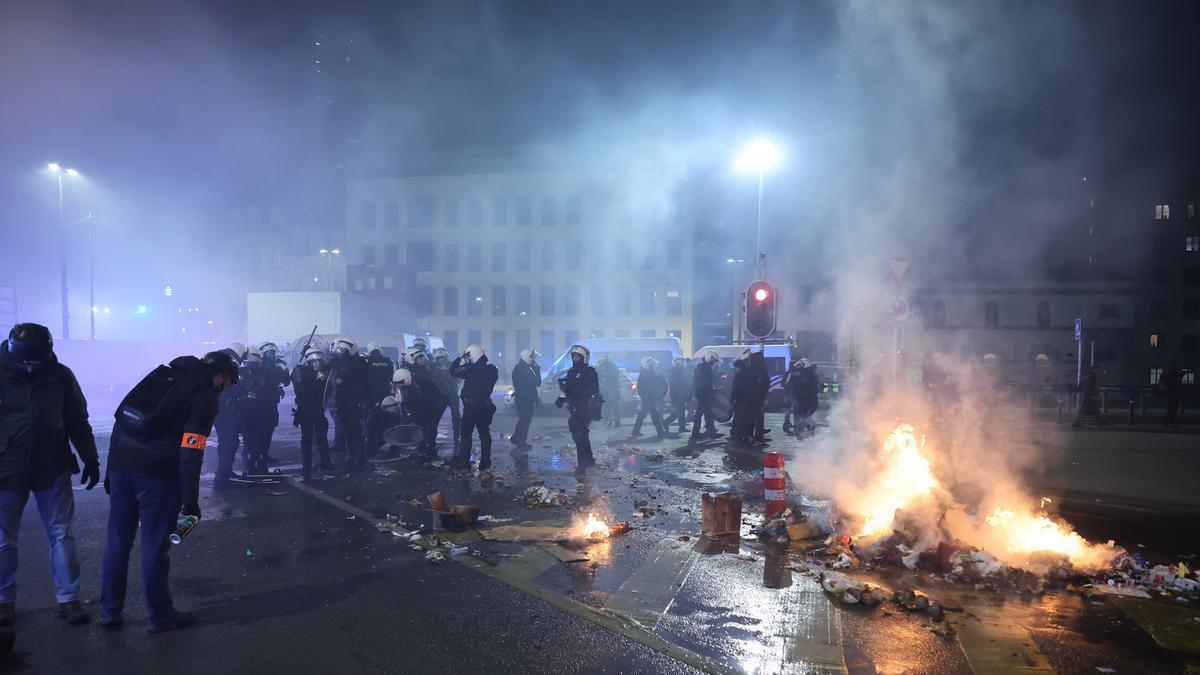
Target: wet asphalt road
284, 581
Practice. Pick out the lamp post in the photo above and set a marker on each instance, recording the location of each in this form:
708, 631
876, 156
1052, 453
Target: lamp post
59, 172
329, 253
760, 155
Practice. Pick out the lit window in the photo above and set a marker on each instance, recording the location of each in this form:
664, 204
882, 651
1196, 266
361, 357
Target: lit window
1162, 212
1191, 211
1154, 341
1189, 378
1155, 375
1193, 244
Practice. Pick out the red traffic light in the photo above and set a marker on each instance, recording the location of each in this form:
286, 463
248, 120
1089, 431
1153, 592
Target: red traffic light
760, 309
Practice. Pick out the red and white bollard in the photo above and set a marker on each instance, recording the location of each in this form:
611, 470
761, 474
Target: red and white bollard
774, 484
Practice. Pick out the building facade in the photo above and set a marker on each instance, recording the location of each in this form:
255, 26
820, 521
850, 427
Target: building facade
1169, 303
520, 260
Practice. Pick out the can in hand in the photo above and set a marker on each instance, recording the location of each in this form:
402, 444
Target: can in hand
184, 528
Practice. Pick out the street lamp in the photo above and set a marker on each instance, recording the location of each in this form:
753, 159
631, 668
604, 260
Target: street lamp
58, 172
761, 155
329, 253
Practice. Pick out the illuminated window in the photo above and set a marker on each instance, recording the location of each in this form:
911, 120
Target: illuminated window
1193, 244
1155, 375
1154, 341
1162, 212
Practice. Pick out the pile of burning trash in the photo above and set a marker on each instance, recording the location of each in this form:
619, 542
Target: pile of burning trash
903, 518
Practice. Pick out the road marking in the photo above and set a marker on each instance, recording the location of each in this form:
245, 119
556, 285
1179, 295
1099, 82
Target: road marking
648, 593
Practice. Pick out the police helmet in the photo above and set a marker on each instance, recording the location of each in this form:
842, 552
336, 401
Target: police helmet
402, 377
648, 363
373, 347
474, 353
222, 363
390, 404
441, 353
253, 355
239, 349
30, 343
712, 356
345, 345
412, 356
420, 342
314, 355
583, 351
678, 361
268, 347
804, 363
529, 355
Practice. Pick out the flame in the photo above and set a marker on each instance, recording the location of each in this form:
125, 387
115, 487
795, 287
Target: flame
594, 528
906, 478
1026, 532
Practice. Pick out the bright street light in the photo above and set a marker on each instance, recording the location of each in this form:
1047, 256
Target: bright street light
328, 253
53, 166
72, 173
760, 155
58, 172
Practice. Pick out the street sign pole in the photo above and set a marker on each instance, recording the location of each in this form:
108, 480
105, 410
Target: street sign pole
1078, 362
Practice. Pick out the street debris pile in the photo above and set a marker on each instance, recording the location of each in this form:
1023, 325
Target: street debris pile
539, 495
904, 518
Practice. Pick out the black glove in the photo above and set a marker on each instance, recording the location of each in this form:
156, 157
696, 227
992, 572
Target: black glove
558, 402
91, 475
192, 509
295, 418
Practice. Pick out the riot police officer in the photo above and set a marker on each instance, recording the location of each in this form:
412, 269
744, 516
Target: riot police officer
581, 393
651, 389
703, 385
379, 375
349, 371
283, 378
526, 378
610, 383
425, 397
479, 380
227, 424
447, 385
259, 412
310, 381
680, 385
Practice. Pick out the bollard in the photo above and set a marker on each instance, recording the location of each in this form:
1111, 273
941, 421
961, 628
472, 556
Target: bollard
774, 485
1131, 419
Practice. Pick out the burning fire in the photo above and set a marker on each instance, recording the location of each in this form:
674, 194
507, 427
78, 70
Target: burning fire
594, 528
906, 478
1013, 532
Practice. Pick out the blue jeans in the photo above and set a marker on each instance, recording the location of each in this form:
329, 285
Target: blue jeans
154, 502
56, 504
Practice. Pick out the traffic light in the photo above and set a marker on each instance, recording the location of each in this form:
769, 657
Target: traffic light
760, 309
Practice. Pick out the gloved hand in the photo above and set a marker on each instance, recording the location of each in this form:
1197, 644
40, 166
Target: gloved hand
558, 402
192, 509
91, 475
295, 418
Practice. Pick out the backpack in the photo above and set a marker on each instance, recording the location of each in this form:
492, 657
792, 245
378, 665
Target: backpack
149, 409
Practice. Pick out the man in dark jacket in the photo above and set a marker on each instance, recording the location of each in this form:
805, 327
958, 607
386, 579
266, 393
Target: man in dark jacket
349, 372
744, 397
704, 384
424, 397
153, 476
526, 378
757, 363
262, 383
42, 413
310, 381
679, 381
580, 392
479, 379
651, 389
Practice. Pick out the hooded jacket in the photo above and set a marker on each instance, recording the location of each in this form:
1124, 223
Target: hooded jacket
179, 451
41, 415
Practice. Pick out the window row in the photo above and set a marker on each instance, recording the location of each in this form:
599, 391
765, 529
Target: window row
1163, 211
473, 212
1191, 275
550, 301
1189, 309
936, 317
1187, 342
551, 256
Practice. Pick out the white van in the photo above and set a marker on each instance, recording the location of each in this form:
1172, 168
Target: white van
626, 353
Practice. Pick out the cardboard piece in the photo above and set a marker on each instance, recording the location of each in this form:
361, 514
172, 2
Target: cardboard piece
720, 514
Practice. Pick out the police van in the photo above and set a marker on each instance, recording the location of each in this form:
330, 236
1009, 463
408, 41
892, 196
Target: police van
626, 353
777, 357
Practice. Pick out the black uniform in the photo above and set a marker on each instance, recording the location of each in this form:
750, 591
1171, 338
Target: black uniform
426, 402
149, 478
610, 383
526, 378
580, 386
262, 387
761, 377
703, 385
679, 381
350, 392
745, 400
379, 377
652, 389
379, 420
479, 379
309, 385
228, 425
447, 385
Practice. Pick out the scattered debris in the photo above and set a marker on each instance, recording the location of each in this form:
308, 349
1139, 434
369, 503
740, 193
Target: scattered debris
540, 495
435, 557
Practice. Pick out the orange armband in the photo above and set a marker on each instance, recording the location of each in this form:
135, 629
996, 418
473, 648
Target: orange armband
194, 441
